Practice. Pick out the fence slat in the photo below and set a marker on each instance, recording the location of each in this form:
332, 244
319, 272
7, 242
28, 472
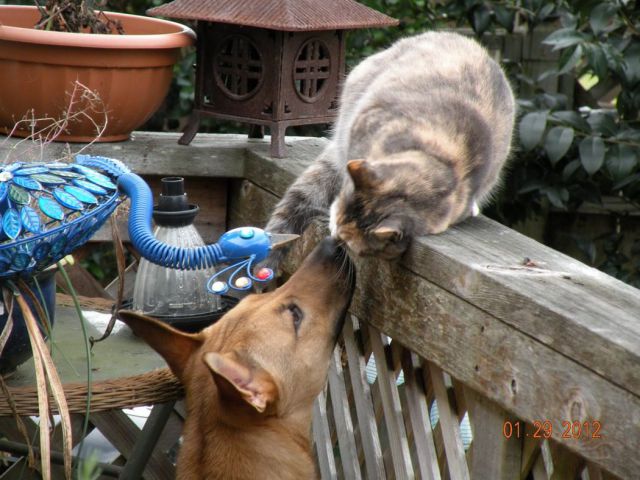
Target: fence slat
419, 416
392, 410
364, 405
539, 471
322, 439
492, 454
342, 417
566, 464
453, 447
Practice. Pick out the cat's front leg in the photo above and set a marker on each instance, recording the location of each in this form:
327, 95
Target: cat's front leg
307, 199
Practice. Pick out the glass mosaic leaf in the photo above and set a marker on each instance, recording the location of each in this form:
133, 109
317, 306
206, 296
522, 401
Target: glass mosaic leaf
19, 195
28, 183
59, 166
41, 251
4, 188
20, 261
58, 245
30, 219
51, 208
81, 194
101, 180
31, 171
48, 179
67, 200
92, 187
68, 174
82, 169
13, 167
11, 224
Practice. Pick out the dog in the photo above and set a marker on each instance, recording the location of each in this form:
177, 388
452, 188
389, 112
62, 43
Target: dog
251, 378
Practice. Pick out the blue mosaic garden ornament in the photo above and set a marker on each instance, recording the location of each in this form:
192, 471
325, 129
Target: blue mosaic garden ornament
47, 210
241, 278
45, 216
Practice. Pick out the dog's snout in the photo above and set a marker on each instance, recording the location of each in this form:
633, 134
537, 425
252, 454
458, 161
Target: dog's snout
331, 249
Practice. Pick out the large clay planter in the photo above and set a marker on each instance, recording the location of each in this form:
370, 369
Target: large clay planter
131, 73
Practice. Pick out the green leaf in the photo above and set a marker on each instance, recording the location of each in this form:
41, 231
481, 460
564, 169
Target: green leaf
569, 59
19, 195
481, 19
531, 186
631, 64
603, 122
604, 18
505, 17
621, 160
573, 119
627, 181
557, 143
568, 19
592, 152
597, 60
570, 168
545, 11
532, 127
557, 196
563, 38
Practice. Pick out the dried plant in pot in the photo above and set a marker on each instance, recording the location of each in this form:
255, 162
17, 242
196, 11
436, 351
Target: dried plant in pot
125, 60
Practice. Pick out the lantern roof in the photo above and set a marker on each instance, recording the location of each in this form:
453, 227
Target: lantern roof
282, 15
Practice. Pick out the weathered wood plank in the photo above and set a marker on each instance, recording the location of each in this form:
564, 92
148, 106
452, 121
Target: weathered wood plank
363, 403
419, 416
565, 463
151, 153
342, 419
248, 204
322, 439
450, 427
577, 310
389, 396
493, 455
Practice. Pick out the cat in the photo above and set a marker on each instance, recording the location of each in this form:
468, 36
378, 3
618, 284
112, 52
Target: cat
423, 131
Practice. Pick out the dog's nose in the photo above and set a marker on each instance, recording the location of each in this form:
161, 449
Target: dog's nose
331, 249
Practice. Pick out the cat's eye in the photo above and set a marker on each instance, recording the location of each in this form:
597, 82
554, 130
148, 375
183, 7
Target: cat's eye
296, 315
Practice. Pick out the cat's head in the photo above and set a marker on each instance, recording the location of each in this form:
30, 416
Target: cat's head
370, 215
383, 205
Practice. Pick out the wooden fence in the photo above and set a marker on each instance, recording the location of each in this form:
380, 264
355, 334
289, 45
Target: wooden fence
479, 329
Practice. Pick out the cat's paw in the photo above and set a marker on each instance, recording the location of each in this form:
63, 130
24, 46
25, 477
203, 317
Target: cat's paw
333, 222
475, 209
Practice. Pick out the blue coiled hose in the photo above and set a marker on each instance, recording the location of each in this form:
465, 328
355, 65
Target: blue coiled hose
142, 237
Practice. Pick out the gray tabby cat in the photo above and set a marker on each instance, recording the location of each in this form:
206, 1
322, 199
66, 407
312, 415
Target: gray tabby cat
423, 132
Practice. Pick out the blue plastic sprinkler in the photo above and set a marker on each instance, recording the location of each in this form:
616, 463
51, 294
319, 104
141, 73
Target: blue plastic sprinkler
50, 209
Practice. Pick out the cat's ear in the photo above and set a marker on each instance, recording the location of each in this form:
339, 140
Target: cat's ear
362, 174
389, 230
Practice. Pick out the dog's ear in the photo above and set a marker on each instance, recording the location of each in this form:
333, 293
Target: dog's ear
236, 379
175, 346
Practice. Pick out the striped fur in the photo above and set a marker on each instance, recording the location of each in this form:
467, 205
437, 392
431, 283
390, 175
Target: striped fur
423, 132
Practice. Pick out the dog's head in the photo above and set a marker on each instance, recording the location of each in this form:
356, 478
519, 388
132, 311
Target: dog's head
270, 354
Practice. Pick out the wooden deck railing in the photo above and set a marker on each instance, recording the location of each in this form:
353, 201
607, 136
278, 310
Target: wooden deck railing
500, 332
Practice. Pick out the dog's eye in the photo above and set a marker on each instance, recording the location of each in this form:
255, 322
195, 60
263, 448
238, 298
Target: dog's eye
296, 314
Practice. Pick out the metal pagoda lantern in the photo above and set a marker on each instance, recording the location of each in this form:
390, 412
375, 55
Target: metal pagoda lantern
274, 63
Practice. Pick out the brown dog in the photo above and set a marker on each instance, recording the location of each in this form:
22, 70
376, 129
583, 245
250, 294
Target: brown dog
251, 378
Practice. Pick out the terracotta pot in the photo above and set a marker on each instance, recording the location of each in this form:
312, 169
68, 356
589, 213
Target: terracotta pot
131, 73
